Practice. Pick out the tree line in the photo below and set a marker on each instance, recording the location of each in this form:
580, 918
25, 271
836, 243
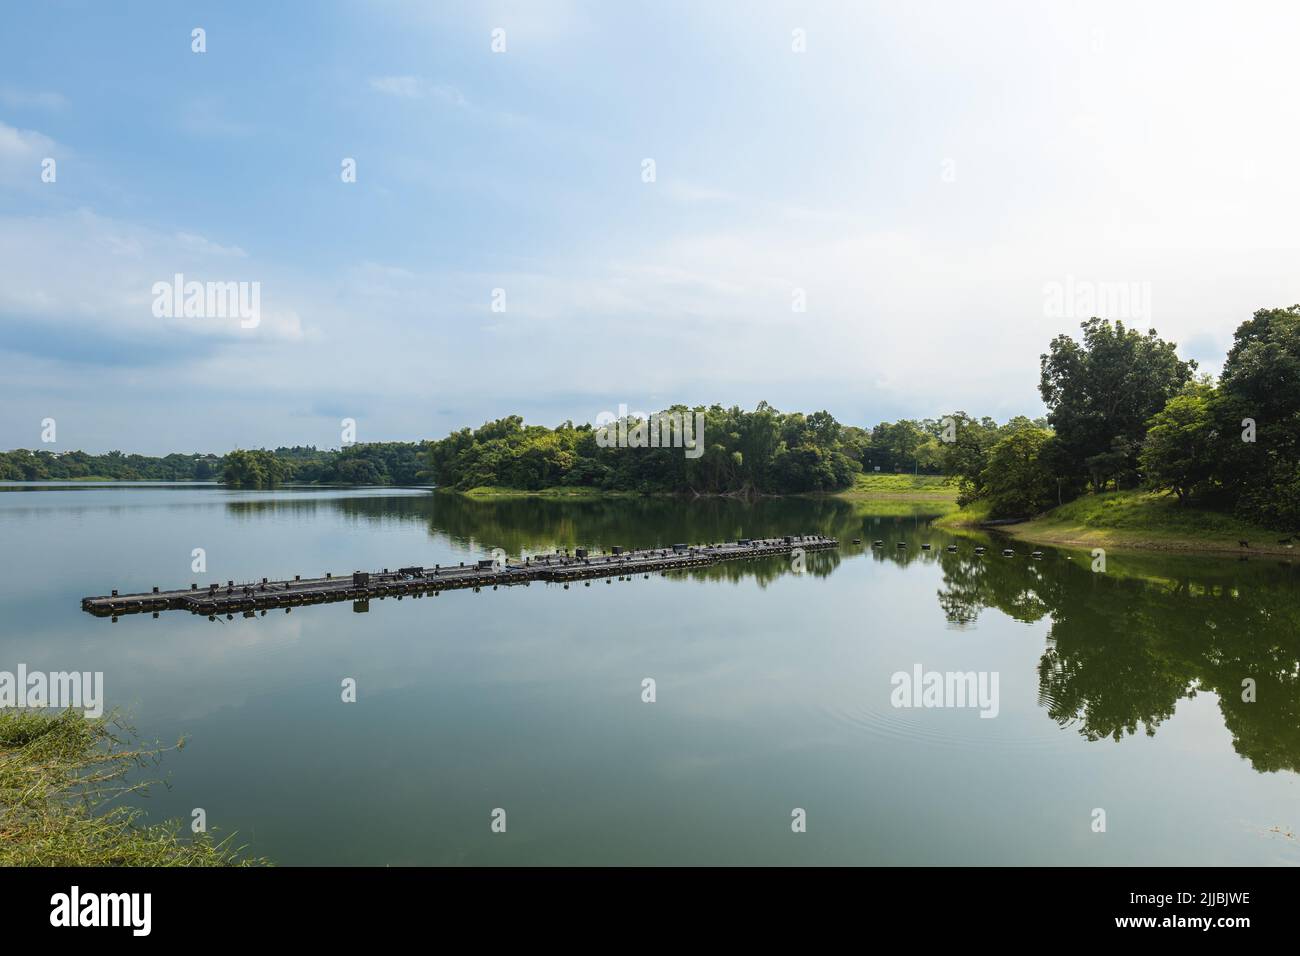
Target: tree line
375, 463
372, 463
1123, 411
764, 451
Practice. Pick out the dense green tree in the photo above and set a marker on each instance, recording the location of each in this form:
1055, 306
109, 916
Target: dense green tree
1178, 454
23, 465
1257, 417
1101, 392
1017, 481
254, 468
894, 446
965, 446
760, 452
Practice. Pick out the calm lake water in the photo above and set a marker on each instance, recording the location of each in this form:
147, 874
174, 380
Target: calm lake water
1119, 690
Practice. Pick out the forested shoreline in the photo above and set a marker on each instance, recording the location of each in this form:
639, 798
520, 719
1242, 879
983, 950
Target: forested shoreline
1123, 412
374, 463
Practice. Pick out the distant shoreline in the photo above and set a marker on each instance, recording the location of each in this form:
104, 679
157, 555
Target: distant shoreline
30, 482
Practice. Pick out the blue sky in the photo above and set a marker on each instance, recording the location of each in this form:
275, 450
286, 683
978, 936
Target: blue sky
922, 172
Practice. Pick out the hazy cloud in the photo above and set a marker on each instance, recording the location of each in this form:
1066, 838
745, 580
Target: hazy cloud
31, 99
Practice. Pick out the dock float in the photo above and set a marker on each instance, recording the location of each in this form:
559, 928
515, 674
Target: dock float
360, 586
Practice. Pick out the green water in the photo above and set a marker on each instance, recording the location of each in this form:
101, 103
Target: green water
1119, 690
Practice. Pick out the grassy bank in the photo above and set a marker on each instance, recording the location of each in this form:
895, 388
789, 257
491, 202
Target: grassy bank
1134, 519
558, 491
930, 489
973, 515
63, 778
933, 493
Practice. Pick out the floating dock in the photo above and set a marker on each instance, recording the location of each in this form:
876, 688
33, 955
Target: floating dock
361, 586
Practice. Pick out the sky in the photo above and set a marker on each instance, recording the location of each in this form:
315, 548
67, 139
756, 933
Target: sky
879, 209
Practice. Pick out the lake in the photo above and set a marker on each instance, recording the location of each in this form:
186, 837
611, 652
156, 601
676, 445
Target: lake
774, 688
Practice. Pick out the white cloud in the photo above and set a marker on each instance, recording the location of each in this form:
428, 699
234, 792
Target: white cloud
21, 152
410, 87
208, 117
417, 88
680, 191
82, 271
15, 98
529, 27
204, 246
1161, 154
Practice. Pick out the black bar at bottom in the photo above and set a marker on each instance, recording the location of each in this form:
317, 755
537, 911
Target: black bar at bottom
337, 904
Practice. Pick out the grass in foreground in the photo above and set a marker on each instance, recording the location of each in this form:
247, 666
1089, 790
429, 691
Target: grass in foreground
62, 780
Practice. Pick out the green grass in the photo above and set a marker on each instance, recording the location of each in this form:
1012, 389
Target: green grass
901, 507
973, 514
1145, 511
913, 487
559, 491
908, 494
1134, 519
63, 780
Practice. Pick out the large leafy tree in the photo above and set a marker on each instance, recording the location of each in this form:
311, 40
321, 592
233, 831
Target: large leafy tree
894, 445
1178, 454
1100, 393
1017, 480
1260, 399
255, 468
965, 451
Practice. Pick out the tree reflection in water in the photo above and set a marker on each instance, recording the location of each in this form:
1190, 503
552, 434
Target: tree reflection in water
1123, 647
